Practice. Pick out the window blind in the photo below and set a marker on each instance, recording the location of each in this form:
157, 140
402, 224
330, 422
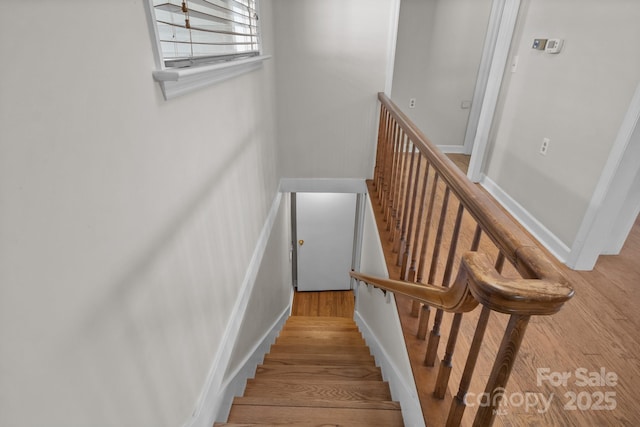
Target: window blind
201, 31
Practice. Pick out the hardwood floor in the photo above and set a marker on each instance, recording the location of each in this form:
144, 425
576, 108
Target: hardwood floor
324, 304
461, 160
596, 332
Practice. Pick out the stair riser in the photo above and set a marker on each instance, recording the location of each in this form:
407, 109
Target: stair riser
319, 349
294, 415
323, 360
319, 373
317, 403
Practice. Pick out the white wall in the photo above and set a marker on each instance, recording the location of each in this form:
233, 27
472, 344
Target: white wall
438, 53
127, 222
272, 291
331, 59
577, 99
415, 26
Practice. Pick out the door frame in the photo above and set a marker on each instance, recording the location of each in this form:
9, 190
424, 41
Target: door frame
326, 185
500, 30
504, 16
615, 202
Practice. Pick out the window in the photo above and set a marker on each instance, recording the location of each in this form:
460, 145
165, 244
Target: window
200, 42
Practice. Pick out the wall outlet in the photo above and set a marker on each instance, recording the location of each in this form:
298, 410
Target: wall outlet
412, 103
545, 146
539, 44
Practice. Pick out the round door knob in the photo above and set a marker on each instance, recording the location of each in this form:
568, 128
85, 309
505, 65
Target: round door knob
301, 242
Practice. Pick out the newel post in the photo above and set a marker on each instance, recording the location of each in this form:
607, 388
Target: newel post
501, 370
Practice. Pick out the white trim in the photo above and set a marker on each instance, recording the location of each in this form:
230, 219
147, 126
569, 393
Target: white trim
452, 149
490, 102
484, 69
394, 19
401, 391
237, 381
613, 208
210, 399
549, 240
323, 185
178, 81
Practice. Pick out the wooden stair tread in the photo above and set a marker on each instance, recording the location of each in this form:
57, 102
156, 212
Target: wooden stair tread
340, 390
321, 329
320, 319
322, 416
319, 341
319, 333
321, 322
320, 349
317, 403
320, 372
319, 359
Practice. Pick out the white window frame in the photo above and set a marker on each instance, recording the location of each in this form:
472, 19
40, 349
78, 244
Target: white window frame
179, 81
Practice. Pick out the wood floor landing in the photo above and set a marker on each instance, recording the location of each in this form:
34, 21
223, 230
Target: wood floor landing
325, 303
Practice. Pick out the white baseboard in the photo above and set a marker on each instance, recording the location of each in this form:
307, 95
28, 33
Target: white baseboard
452, 149
238, 380
549, 240
211, 400
402, 392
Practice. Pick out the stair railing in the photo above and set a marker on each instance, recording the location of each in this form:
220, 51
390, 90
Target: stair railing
419, 190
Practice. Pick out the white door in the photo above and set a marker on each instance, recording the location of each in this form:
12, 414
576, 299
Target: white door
325, 225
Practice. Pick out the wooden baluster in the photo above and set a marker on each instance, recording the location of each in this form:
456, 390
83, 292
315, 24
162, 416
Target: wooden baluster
434, 337
390, 174
387, 166
409, 239
389, 160
423, 198
409, 205
415, 305
393, 174
377, 171
402, 194
423, 322
426, 311
501, 370
384, 153
458, 404
444, 372
398, 178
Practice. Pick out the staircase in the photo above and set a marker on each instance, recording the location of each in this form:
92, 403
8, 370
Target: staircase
319, 372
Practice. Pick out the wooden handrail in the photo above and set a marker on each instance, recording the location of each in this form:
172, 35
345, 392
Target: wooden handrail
545, 288
479, 282
456, 299
501, 228
406, 161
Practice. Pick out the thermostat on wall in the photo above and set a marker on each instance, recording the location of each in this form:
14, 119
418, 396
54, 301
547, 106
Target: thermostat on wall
553, 46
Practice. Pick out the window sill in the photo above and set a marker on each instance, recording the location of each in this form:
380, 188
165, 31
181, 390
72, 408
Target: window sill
176, 82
